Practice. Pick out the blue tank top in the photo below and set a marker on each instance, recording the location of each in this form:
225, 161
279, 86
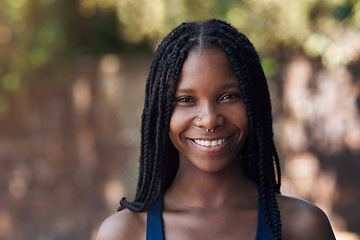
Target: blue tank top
154, 226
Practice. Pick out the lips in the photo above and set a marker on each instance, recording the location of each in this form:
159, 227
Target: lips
210, 143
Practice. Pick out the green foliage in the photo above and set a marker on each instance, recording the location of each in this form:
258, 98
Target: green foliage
38, 35
342, 11
270, 67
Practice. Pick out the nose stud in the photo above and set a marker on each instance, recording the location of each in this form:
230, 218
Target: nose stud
208, 130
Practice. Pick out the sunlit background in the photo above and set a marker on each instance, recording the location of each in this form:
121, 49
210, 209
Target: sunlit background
72, 76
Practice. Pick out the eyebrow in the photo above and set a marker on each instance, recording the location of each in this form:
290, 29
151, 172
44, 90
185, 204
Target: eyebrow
229, 85
185, 90
224, 86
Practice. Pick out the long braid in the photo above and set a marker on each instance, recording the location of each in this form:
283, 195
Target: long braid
273, 186
159, 158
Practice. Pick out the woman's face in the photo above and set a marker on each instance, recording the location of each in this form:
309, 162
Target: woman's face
208, 96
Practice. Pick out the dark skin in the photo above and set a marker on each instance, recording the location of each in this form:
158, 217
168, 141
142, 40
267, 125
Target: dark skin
211, 198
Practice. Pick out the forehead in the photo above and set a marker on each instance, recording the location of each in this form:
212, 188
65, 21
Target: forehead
214, 55
207, 66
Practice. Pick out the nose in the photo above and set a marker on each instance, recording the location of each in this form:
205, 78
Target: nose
209, 116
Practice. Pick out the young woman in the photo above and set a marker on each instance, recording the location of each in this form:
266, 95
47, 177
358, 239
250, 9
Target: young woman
208, 166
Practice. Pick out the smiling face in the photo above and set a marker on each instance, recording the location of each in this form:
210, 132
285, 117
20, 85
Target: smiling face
208, 96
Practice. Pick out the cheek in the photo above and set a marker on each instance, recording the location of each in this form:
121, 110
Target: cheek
245, 121
242, 123
175, 133
241, 118
180, 118
177, 124
172, 132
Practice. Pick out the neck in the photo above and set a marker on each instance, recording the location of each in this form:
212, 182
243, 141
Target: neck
196, 188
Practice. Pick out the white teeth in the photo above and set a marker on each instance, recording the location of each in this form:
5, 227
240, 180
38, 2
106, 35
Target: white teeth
211, 143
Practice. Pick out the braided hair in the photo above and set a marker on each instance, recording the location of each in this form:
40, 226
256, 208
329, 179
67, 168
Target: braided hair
159, 160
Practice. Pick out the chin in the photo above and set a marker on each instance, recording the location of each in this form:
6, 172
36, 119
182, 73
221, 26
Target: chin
213, 165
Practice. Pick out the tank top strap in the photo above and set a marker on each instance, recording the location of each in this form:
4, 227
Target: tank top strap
154, 224
263, 231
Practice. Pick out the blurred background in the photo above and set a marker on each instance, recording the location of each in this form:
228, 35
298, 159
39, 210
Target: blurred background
72, 76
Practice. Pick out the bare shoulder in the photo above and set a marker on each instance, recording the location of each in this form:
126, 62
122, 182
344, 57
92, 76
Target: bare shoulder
125, 224
303, 220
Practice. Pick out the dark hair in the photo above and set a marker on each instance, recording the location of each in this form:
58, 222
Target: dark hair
159, 158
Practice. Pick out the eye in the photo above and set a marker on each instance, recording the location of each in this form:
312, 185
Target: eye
184, 100
229, 96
